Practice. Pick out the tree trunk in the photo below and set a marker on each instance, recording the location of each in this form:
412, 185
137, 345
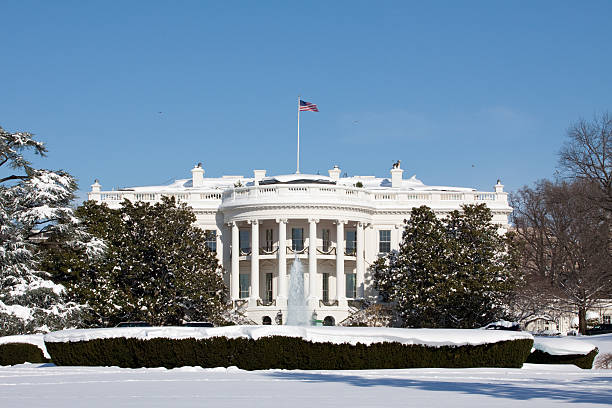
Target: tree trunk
582, 321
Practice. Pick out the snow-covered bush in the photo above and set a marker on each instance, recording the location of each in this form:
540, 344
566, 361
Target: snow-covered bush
155, 268
451, 272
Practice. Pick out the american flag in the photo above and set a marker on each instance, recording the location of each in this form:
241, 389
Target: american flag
307, 106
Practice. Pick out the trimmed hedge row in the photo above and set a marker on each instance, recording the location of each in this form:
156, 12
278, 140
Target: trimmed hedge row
18, 353
580, 360
283, 353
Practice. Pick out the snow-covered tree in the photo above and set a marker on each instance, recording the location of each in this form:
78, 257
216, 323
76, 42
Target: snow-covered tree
34, 209
453, 272
156, 268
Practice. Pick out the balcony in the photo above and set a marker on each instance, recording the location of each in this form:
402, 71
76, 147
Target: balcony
309, 194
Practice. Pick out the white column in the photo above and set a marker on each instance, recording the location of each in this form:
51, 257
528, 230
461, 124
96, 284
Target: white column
281, 297
340, 285
360, 261
254, 261
235, 271
313, 294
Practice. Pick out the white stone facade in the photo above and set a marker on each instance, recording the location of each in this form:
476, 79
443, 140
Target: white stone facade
337, 226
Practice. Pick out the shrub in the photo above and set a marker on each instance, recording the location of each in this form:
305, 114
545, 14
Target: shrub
282, 352
604, 362
580, 360
18, 353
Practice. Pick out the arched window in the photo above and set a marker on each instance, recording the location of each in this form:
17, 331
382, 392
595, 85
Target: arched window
267, 321
329, 321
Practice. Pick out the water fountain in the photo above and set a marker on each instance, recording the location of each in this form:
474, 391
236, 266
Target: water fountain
297, 306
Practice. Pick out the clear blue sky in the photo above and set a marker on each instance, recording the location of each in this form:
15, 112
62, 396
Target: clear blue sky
462, 92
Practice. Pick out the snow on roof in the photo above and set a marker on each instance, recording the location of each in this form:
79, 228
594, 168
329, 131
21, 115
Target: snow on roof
297, 178
336, 334
368, 182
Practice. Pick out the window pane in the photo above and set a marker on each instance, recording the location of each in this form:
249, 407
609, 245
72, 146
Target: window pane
245, 241
384, 241
297, 239
351, 242
244, 285
351, 285
269, 240
326, 287
268, 287
325, 236
211, 240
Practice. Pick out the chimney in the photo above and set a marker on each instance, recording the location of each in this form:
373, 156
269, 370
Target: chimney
258, 175
96, 186
334, 173
396, 175
197, 175
499, 187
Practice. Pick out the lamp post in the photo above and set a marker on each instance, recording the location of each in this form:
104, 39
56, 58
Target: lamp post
279, 318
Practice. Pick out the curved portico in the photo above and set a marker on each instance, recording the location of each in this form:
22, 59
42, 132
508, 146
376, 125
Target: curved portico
274, 224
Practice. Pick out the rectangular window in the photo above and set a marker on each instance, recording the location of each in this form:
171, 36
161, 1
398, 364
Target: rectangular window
269, 240
384, 241
245, 242
326, 287
351, 286
326, 242
244, 285
268, 297
211, 240
351, 242
607, 319
297, 239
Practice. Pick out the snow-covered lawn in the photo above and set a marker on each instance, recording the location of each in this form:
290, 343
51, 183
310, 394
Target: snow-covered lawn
539, 386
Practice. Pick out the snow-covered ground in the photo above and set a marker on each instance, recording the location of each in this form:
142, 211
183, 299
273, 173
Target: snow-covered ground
540, 386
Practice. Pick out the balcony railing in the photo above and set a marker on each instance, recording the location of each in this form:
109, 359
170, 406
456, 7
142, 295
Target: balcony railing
326, 250
305, 193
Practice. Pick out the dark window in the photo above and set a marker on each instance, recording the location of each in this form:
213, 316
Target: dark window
245, 241
326, 242
351, 242
211, 240
326, 287
329, 321
244, 283
268, 296
351, 286
267, 321
384, 241
297, 239
269, 240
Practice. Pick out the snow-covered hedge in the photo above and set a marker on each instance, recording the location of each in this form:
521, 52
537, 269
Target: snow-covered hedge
286, 347
551, 350
21, 349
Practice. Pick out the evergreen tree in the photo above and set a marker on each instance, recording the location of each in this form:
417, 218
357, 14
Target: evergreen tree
156, 268
34, 210
447, 273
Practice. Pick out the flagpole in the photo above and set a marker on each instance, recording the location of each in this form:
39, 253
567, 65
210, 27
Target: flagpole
298, 140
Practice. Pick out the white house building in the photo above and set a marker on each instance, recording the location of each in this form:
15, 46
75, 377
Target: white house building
336, 226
